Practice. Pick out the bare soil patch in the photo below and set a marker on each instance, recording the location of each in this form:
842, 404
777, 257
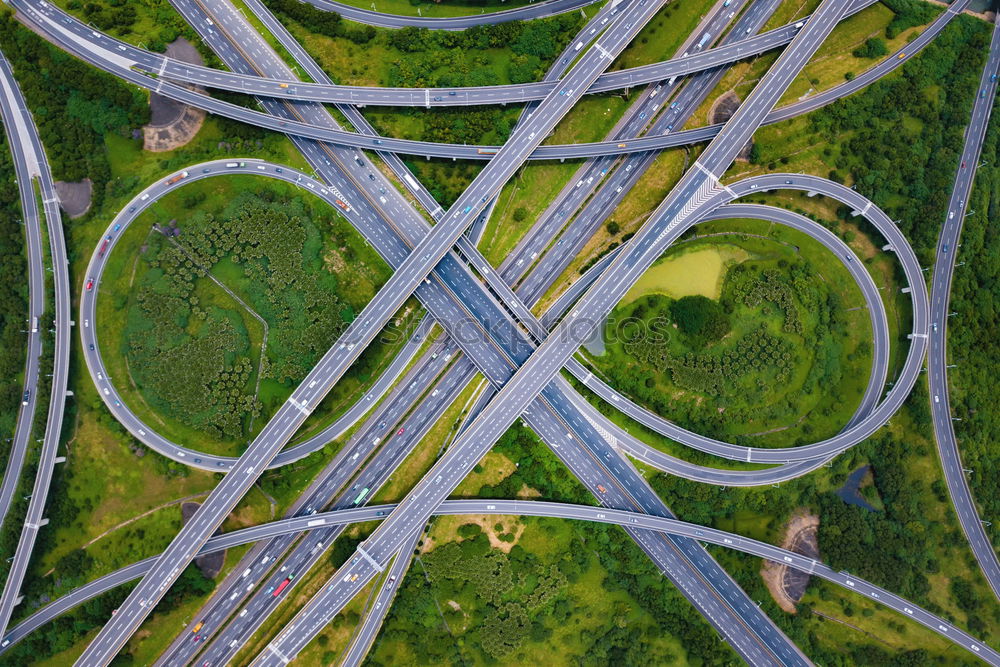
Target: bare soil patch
785, 584
74, 197
171, 123
722, 110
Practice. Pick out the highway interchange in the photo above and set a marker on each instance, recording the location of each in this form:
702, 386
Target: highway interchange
517, 353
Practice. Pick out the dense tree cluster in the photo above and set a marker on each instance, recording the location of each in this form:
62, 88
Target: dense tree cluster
908, 536
442, 58
755, 287
908, 13
324, 23
505, 601
535, 470
74, 105
973, 344
725, 373
901, 137
194, 360
874, 47
118, 17
788, 324
700, 317
13, 299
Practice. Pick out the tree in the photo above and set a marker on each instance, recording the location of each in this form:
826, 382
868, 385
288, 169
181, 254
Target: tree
700, 317
872, 48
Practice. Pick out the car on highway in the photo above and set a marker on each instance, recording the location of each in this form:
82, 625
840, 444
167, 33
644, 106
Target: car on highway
90, 284
400, 431
26, 397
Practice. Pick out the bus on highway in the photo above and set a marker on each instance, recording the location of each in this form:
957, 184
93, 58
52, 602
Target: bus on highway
361, 496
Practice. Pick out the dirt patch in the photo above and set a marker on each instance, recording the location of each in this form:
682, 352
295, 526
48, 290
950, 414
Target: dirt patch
722, 110
209, 564
74, 198
492, 525
171, 123
787, 585
527, 492
175, 135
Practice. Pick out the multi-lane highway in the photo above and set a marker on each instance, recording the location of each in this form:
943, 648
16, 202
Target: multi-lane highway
697, 532
695, 188
119, 58
233, 24
24, 132
535, 10
937, 356
715, 576
89, 323
390, 298
25, 170
104, 51
88, 44
515, 351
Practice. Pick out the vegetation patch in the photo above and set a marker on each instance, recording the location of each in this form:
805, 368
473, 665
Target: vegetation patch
972, 347
762, 357
207, 294
13, 300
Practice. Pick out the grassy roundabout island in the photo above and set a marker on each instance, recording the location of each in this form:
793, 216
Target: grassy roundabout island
219, 299
739, 334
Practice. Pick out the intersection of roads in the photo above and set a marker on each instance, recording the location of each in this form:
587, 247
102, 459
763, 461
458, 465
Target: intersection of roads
493, 340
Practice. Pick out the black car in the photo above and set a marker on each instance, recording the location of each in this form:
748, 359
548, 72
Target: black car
91, 346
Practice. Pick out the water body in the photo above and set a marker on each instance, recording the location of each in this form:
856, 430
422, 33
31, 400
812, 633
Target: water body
700, 271
595, 344
850, 492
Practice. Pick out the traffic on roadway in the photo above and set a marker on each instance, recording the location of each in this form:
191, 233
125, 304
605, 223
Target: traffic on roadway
492, 340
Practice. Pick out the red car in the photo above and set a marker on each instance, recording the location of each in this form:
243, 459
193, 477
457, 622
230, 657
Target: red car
90, 284
963, 164
400, 431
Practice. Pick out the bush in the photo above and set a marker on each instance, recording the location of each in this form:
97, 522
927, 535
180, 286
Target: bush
700, 317
872, 48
